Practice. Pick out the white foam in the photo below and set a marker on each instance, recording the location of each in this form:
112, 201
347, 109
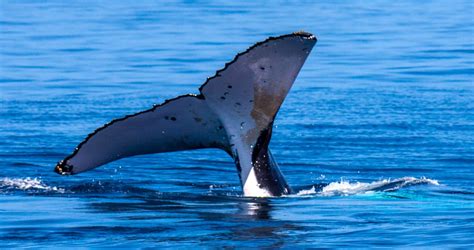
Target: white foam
27, 184
344, 188
312, 190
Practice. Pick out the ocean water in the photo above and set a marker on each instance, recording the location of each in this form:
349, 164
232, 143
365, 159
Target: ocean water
376, 136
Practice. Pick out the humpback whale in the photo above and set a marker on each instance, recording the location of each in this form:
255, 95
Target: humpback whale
234, 111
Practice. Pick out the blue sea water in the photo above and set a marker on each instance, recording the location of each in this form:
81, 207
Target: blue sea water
377, 134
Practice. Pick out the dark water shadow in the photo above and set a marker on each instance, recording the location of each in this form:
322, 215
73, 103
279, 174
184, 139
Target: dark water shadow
228, 217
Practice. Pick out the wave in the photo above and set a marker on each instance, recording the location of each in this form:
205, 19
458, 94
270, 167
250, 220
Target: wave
338, 188
26, 184
344, 188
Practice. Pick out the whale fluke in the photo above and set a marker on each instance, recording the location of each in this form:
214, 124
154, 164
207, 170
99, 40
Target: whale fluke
234, 112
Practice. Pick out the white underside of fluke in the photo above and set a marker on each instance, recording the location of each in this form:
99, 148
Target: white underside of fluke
252, 187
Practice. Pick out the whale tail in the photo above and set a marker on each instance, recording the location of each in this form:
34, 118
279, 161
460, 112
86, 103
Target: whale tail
234, 111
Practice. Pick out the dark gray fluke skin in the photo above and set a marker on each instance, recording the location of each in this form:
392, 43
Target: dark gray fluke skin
234, 112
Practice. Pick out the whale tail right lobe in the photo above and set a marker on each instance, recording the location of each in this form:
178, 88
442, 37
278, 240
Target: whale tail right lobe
234, 111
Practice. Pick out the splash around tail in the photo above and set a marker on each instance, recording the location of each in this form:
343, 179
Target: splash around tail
346, 188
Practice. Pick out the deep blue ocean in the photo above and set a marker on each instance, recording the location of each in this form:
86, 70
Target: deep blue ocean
376, 135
